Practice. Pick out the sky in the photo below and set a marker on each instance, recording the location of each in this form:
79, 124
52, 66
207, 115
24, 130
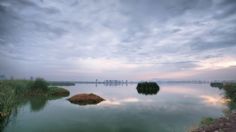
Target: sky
118, 39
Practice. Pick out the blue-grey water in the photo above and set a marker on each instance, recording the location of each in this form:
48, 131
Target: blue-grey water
175, 108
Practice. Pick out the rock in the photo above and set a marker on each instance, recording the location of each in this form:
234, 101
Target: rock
227, 124
221, 124
85, 99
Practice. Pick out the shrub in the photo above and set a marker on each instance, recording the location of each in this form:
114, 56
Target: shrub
148, 88
40, 85
56, 91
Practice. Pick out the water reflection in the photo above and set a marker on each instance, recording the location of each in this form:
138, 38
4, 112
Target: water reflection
36, 103
214, 100
120, 101
176, 106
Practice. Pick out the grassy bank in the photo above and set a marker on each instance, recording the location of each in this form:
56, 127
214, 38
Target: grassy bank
12, 91
230, 93
211, 124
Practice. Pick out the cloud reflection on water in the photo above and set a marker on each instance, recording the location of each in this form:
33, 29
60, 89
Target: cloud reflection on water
209, 97
122, 101
214, 100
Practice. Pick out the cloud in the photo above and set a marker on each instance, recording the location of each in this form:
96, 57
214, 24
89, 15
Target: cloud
116, 38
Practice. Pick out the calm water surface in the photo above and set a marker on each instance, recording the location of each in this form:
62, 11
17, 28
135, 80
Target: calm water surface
175, 108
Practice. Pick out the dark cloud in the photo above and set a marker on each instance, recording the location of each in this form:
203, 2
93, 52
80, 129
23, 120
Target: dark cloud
201, 45
158, 10
43, 27
225, 9
27, 4
216, 39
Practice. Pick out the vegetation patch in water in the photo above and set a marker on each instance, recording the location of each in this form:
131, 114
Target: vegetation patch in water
56, 91
148, 88
40, 87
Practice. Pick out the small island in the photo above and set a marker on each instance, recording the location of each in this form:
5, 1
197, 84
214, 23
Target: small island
148, 88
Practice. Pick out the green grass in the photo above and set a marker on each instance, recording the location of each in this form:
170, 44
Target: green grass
9, 89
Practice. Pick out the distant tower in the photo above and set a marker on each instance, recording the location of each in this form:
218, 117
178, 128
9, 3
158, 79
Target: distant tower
31, 78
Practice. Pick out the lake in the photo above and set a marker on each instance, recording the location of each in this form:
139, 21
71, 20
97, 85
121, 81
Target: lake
175, 108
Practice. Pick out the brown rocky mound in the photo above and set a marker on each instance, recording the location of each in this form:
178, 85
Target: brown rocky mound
85, 99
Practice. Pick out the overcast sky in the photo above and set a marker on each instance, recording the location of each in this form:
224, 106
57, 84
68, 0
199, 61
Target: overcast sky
118, 39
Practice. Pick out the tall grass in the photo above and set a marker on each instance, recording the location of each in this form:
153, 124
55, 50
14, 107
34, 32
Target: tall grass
8, 92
